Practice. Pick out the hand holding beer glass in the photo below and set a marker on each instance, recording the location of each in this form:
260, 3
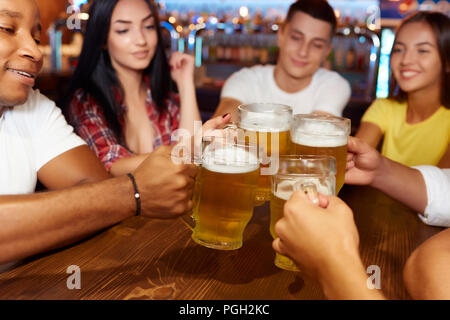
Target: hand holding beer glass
267, 125
311, 174
314, 134
224, 193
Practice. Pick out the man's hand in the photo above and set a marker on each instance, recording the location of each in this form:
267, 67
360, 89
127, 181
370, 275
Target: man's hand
315, 237
363, 162
166, 188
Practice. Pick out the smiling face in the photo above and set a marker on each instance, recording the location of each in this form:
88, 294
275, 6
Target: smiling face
20, 58
132, 38
304, 43
415, 60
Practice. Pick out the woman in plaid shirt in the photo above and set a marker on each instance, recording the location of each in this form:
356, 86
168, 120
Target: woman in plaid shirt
122, 97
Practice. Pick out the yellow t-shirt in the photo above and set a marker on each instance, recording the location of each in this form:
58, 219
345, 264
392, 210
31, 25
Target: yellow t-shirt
422, 143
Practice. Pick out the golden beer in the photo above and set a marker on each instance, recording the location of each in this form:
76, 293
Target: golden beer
281, 144
297, 173
322, 135
224, 199
266, 125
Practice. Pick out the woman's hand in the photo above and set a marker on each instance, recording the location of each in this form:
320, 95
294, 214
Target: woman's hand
182, 67
214, 126
363, 162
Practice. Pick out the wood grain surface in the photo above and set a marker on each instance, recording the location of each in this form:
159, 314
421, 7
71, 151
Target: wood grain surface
156, 259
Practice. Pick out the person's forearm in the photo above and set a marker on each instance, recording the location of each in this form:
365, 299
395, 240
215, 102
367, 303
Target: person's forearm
346, 279
189, 108
402, 183
31, 224
127, 165
228, 105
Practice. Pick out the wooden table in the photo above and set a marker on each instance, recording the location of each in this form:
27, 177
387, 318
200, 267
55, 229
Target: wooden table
156, 259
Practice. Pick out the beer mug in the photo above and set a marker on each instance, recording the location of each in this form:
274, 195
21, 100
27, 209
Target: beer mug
311, 174
224, 193
314, 134
267, 125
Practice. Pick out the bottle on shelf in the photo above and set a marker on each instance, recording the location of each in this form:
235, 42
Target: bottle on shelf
350, 59
361, 55
235, 52
249, 50
212, 56
242, 48
228, 48
273, 49
220, 47
264, 50
339, 54
205, 47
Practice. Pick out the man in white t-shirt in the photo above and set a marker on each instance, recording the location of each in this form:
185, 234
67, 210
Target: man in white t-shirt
324, 240
37, 143
36, 140
297, 80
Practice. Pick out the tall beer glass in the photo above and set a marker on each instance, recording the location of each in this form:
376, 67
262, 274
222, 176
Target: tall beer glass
224, 194
267, 125
310, 174
322, 135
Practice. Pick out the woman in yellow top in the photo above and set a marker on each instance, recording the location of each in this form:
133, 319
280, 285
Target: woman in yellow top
415, 119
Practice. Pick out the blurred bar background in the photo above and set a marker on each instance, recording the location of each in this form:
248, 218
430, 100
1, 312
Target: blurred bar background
227, 35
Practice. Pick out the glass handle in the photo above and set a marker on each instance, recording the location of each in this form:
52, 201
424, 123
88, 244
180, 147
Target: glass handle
188, 217
188, 220
231, 126
310, 190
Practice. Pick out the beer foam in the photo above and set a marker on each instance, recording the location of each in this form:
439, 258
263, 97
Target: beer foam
286, 188
229, 159
264, 121
319, 134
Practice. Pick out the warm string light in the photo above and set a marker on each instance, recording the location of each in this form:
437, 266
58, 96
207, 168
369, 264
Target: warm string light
243, 12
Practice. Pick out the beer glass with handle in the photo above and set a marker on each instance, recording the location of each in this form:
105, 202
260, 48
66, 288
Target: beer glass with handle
310, 174
224, 193
313, 134
267, 125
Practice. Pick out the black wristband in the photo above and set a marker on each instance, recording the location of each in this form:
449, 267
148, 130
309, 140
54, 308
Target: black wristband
137, 195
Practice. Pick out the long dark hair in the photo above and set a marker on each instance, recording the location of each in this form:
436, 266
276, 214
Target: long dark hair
95, 74
440, 24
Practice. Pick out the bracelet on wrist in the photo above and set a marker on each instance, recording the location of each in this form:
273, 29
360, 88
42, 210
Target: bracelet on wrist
137, 195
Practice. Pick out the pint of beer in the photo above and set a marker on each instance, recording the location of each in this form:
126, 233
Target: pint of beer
267, 125
224, 194
322, 135
299, 173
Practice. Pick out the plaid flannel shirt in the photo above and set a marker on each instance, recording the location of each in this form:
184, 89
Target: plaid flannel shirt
89, 122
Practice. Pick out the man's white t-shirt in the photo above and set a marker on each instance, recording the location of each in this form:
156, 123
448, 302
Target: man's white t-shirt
30, 136
328, 91
437, 181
